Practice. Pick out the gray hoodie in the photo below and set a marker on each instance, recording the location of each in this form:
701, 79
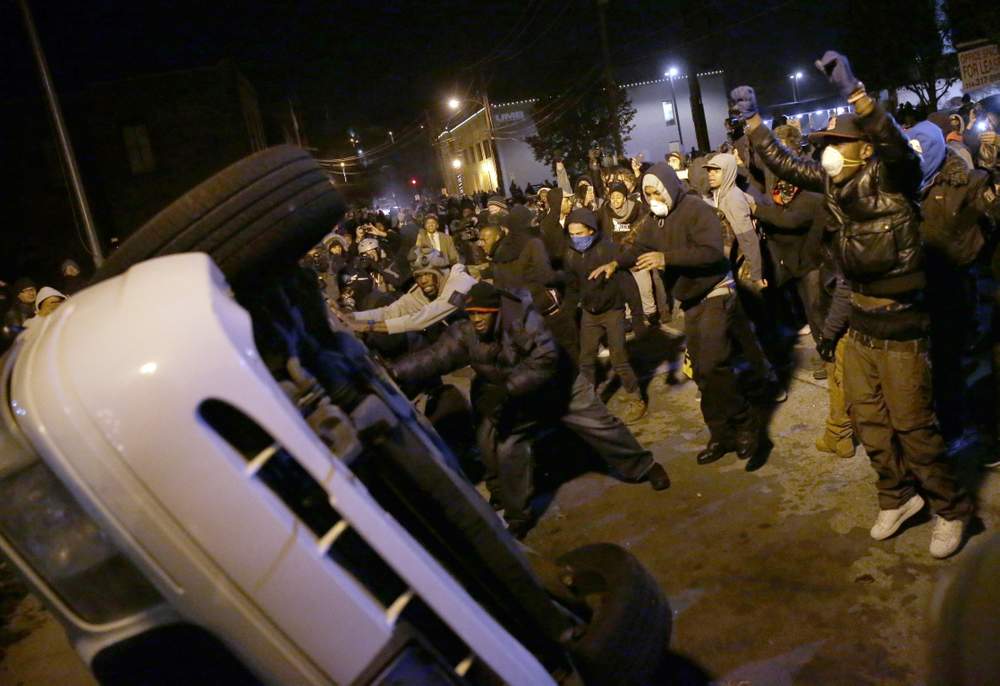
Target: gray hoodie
733, 204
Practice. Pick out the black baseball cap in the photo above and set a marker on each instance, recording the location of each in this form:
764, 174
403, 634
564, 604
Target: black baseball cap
842, 127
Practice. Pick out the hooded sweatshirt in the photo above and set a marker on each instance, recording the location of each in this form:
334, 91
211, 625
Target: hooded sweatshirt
552, 230
45, 293
926, 138
690, 238
734, 206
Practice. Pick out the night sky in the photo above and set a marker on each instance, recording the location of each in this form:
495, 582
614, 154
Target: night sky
385, 63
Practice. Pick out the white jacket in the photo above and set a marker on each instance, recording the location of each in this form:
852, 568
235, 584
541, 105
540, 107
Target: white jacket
413, 311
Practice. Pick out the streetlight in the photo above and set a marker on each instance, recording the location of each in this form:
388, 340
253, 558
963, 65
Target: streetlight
671, 73
795, 85
343, 171
454, 103
456, 163
391, 137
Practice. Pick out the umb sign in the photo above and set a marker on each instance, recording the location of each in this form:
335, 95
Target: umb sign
980, 67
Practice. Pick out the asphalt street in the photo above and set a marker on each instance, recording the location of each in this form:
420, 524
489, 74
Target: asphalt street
771, 574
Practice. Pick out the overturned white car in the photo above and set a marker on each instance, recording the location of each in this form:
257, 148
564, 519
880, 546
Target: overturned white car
207, 481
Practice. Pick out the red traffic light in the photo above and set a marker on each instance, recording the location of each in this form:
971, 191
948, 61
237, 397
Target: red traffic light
413, 182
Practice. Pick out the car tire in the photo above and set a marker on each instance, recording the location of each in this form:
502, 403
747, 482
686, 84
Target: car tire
268, 208
629, 629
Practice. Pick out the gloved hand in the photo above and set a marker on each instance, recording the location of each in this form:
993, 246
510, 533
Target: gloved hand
826, 348
837, 69
490, 400
744, 100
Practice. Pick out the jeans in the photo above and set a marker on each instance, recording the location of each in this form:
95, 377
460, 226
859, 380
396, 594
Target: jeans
887, 389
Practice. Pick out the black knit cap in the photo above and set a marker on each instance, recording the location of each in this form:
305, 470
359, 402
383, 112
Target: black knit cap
483, 297
582, 215
618, 187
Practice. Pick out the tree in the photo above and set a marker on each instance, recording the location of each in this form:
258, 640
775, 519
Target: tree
900, 44
572, 123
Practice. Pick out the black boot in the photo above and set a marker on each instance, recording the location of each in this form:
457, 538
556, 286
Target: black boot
747, 439
715, 450
658, 478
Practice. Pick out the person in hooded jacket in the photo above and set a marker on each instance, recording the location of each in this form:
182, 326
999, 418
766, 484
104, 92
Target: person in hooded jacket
524, 386
518, 260
602, 303
72, 278
739, 231
870, 178
732, 202
618, 219
22, 309
437, 294
952, 125
953, 200
47, 301
794, 221
683, 237
385, 276
552, 224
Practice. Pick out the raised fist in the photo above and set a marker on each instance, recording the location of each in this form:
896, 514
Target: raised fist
745, 101
837, 69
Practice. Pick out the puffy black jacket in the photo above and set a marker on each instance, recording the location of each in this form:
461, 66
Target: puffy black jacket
876, 212
952, 206
594, 295
690, 238
523, 358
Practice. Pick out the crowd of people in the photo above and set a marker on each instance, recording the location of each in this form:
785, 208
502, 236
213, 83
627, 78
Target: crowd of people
868, 237
23, 301
872, 240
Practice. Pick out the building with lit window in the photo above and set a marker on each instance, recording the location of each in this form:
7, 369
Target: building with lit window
664, 121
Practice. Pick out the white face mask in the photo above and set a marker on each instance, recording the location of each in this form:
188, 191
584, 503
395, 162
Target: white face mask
834, 162
660, 209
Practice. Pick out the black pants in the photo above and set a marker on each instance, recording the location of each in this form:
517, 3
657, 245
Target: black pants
810, 291
562, 324
709, 328
594, 327
451, 416
951, 322
507, 452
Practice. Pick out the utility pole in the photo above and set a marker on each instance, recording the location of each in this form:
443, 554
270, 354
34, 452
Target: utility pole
65, 145
673, 99
493, 139
609, 77
698, 111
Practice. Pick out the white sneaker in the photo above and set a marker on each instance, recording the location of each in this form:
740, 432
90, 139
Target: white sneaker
888, 521
946, 537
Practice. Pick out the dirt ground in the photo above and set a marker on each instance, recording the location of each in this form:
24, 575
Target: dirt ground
771, 574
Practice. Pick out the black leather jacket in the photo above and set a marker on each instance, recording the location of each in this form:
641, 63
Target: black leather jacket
876, 213
523, 358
